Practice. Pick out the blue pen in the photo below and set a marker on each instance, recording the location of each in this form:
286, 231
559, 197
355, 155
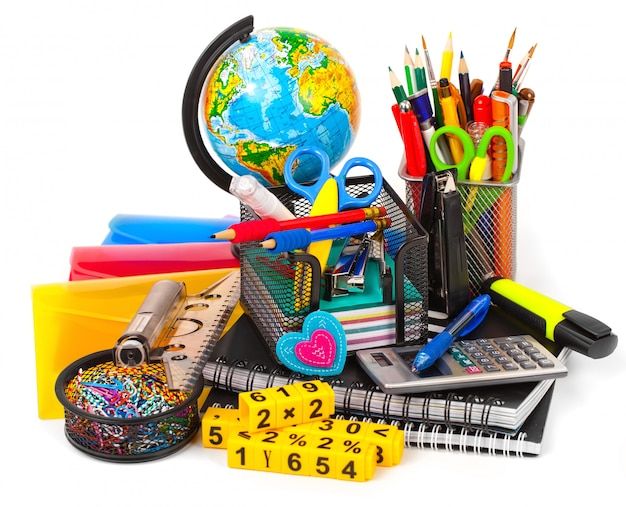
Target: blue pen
300, 239
464, 323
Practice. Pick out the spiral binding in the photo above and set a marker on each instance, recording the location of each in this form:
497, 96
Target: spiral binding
426, 434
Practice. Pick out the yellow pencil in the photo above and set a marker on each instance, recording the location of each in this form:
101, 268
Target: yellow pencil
446, 59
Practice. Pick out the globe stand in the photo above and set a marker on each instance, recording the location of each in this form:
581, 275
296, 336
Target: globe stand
239, 31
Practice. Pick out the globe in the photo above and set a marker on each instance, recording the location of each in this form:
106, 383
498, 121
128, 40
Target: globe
279, 90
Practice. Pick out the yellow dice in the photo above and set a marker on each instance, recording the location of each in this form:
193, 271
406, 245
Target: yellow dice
288, 405
295, 452
217, 426
389, 442
241, 450
257, 410
318, 400
355, 460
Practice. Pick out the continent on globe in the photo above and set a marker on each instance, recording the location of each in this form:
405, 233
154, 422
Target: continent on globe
279, 90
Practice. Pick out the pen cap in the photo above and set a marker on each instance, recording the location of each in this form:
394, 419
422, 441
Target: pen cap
482, 110
421, 105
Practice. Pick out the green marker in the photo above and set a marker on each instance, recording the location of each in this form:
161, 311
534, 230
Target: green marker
396, 87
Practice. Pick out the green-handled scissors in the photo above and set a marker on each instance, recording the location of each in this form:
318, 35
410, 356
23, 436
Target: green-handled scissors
474, 159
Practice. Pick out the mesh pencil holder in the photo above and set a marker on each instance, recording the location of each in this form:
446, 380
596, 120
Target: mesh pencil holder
124, 439
279, 291
489, 223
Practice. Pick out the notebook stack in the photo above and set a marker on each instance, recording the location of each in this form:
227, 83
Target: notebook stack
502, 419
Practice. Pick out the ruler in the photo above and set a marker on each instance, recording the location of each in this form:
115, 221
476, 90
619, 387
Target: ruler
177, 329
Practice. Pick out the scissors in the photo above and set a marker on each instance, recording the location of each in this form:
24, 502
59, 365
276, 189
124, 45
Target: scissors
317, 189
474, 159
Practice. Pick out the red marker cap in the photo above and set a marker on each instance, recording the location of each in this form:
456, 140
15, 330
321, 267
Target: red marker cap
482, 109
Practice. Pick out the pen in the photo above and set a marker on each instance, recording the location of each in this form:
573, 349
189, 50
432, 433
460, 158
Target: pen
256, 230
299, 239
464, 323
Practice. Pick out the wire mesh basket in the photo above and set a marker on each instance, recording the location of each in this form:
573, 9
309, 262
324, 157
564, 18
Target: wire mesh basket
279, 291
489, 223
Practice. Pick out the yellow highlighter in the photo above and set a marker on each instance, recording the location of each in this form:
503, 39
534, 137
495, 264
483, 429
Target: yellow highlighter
559, 323
450, 117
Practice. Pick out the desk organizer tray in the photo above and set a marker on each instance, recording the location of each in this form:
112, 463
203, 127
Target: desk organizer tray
279, 291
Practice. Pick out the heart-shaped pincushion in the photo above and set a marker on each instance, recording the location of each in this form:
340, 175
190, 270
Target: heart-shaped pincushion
319, 350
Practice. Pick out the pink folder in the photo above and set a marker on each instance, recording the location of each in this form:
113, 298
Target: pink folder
108, 261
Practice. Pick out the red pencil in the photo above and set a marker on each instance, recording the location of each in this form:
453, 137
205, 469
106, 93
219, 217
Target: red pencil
257, 230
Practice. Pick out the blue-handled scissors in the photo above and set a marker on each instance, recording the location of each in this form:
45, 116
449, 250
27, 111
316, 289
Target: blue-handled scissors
311, 191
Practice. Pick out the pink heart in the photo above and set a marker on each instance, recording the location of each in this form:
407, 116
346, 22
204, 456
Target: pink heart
320, 350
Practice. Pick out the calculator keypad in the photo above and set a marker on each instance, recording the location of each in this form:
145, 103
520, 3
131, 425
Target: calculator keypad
498, 354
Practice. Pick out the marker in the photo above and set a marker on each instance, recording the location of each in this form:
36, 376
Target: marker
464, 323
558, 322
482, 110
396, 87
299, 239
413, 144
256, 230
506, 77
250, 191
446, 59
464, 85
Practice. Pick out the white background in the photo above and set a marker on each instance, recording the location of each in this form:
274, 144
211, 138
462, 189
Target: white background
90, 127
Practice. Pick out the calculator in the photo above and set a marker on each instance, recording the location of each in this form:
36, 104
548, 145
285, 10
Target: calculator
468, 363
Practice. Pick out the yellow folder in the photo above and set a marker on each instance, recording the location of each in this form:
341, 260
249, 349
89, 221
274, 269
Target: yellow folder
73, 319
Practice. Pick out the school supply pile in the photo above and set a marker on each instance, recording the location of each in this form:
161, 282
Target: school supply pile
326, 275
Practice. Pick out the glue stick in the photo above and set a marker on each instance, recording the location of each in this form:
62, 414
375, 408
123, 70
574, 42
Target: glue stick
265, 204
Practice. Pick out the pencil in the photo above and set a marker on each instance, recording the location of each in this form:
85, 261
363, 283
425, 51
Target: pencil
446, 59
420, 72
464, 85
409, 70
396, 86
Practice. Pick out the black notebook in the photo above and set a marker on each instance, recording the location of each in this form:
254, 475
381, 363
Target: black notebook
525, 442
241, 362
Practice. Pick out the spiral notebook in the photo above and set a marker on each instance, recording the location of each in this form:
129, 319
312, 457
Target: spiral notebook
525, 442
241, 362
